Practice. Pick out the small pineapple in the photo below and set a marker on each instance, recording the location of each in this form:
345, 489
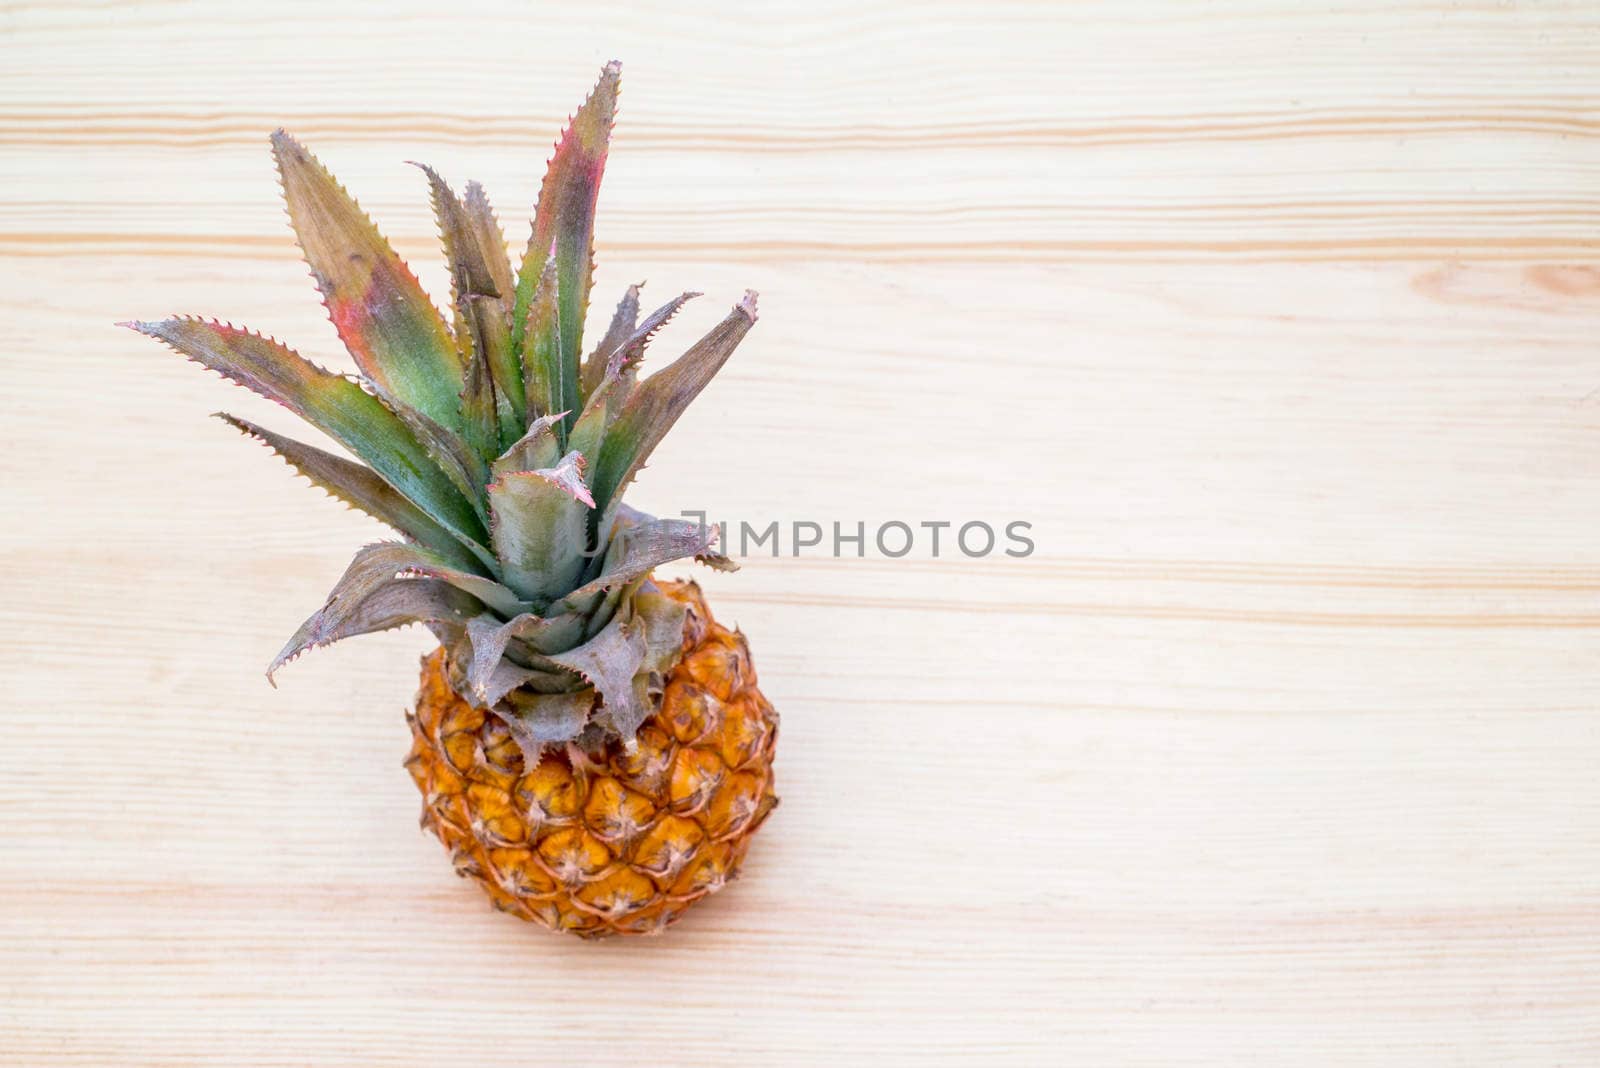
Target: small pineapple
590, 744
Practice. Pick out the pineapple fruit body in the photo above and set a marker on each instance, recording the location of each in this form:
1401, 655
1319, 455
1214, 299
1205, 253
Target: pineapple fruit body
613, 840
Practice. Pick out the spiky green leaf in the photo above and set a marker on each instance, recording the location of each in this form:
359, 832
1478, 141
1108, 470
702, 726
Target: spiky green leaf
480, 420
493, 388
538, 527
333, 404
357, 486
542, 369
535, 449
450, 453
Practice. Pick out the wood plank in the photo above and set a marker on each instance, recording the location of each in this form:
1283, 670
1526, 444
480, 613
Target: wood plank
1276, 323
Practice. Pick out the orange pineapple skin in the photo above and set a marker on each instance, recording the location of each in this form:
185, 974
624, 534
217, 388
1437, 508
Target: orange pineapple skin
605, 842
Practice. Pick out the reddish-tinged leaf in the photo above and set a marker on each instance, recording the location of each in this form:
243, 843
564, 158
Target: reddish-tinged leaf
567, 476
386, 321
563, 224
630, 351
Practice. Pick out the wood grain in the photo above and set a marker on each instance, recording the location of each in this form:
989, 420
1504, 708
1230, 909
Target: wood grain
1277, 321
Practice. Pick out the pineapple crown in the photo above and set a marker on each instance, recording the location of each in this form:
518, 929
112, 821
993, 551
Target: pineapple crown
496, 450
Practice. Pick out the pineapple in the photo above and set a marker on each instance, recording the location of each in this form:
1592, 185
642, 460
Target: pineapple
589, 742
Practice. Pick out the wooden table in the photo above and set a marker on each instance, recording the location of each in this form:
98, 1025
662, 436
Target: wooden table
1277, 322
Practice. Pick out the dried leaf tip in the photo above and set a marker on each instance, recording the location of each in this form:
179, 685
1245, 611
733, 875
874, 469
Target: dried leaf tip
283, 141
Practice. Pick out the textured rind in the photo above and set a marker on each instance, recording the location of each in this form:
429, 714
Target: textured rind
604, 841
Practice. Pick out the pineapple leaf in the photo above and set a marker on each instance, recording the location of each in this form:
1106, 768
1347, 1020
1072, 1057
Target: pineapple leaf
492, 445
333, 404
483, 326
380, 311
463, 467
609, 661
542, 370
480, 422
489, 638
607, 398
386, 565
492, 240
538, 528
622, 323
627, 354
717, 561
423, 564
563, 224
374, 603
508, 676
662, 618
357, 486
598, 412
535, 449
539, 720
657, 402
636, 550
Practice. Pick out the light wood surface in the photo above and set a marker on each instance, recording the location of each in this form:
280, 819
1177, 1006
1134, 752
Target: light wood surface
1280, 323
